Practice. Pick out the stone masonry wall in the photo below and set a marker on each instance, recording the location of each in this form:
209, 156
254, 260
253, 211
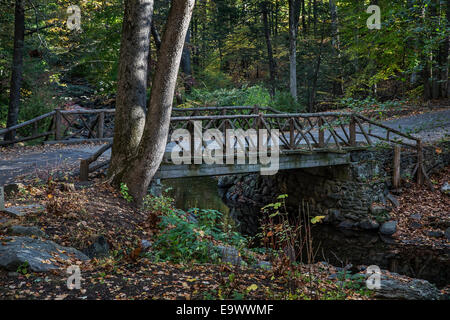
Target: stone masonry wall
354, 195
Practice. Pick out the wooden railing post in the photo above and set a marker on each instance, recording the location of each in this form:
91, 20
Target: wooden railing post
190, 128
2, 198
84, 170
396, 174
420, 177
321, 133
100, 125
352, 129
58, 124
291, 133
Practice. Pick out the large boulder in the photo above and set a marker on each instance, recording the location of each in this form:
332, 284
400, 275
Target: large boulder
446, 188
230, 255
26, 231
388, 228
368, 224
98, 249
40, 255
415, 289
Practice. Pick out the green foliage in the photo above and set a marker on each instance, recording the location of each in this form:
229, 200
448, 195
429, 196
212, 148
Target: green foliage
23, 268
356, 282
188, 236
246, 96
124, 192
161, 205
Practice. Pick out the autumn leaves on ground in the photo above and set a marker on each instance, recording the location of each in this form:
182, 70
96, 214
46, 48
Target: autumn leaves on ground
77, 216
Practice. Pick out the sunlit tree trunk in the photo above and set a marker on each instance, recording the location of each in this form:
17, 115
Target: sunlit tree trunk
139, 170
132, 82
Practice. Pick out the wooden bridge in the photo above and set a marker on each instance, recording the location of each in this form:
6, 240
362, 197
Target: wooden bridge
305, 139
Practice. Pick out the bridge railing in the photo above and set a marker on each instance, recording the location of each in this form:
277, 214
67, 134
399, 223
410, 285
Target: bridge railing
97, 124
303, 131
308, 132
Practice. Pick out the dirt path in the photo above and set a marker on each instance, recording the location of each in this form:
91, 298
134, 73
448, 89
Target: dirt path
21, 161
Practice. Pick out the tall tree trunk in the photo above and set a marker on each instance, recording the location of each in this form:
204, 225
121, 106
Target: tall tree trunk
294, 15
335, 42
139, 171
17, 68
272, 66
315, 16
305, 30
445, 56
312, 96
435, 63
132, 82
186, 63
156, 37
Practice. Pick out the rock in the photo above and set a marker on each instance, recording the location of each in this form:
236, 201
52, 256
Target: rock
393, 200
9, 189
415, 225
98, 249
39, 254
19, 211
416, 289
416, 216
447, 233
266, 265
388, 228
225, 181
26, 231
333, 276
346, 224
145, 244
335, 214
368, 224
230, 255
378, 210
435, 234
445, 188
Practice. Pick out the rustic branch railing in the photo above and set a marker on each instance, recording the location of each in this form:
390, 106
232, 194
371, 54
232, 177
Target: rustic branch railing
307, 132
82, 124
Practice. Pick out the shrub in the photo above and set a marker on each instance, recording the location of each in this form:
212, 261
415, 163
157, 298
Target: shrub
189, 236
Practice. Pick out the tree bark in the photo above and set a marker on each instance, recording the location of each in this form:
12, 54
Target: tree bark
186, 63
139, 171
272, 66
132, 82
17, 68
156, 36
294, 15
444, 57
335, 41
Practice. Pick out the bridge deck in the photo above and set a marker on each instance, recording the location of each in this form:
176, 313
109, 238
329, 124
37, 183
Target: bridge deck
288, 159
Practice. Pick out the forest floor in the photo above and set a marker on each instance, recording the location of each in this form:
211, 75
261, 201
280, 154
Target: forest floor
424, 214
76, 217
